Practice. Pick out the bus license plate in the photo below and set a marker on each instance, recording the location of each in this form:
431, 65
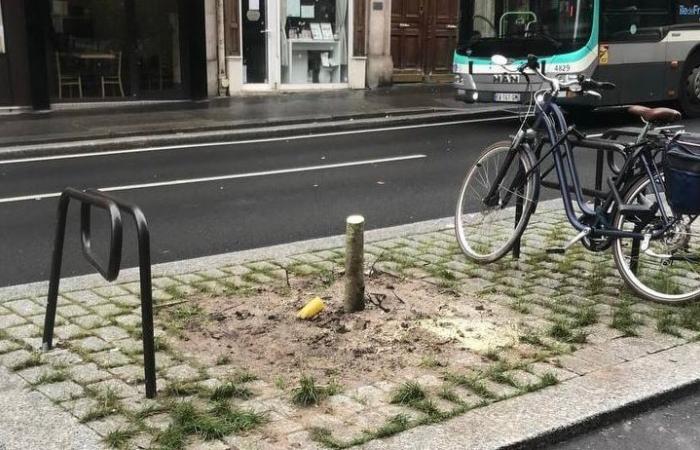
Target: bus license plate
509, 97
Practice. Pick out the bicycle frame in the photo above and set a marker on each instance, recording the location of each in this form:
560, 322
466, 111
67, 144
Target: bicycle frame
551, 118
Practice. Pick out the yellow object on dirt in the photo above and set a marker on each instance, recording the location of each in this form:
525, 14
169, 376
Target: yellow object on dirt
311, 309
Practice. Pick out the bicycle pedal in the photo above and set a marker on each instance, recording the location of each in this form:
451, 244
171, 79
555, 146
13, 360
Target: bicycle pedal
555, 251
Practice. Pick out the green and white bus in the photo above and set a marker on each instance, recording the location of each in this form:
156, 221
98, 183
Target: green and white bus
649, 48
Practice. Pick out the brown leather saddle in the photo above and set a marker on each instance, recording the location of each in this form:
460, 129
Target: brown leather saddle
655, 115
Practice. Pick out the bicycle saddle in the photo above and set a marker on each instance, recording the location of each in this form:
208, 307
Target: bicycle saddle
655, 115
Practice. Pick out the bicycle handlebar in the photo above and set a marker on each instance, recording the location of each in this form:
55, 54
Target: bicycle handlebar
585, 85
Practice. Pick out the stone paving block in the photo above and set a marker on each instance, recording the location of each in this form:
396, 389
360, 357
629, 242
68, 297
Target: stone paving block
279, 406
109, 424
131, 374
92, 344
302, 439
577, 365
22, 331
88, 373
182, 372
120, 388
69, 331
212, 274
129, 346
110, 333
111, 358
343, 405
499, 389
80, 407
127, 301
286, 426
259, 278
60, 357
34, 343
7, 346
522, 378
159, 422
64, 390
630, 348
89, 321
541, 369
164, 282
69, 311
107, 310
110, 291
11, 320
188, 278
33, 374
598, 355
85, 298
262, 266
133, 287
24, 307
368, 396
236, 270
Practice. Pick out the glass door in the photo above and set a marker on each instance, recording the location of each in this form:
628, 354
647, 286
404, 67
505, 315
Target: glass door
256, 35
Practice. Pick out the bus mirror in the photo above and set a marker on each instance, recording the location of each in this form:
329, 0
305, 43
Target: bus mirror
499, 60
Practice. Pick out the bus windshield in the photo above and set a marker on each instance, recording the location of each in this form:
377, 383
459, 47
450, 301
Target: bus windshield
516, 28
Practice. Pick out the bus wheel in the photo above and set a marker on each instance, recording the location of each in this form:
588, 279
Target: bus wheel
690, 88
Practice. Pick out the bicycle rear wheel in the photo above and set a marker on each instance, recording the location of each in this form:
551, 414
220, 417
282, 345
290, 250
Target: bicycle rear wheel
486, 233
668, 271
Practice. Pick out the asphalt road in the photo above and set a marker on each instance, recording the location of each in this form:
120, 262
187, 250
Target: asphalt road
213, 199
672, 426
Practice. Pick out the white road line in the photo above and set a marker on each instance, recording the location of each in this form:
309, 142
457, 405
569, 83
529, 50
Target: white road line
224, 177
249, 141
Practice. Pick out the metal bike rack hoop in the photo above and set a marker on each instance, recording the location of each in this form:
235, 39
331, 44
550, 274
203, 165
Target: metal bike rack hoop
114, 207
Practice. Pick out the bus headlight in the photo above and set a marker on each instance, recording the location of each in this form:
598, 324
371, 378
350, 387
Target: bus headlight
475, 96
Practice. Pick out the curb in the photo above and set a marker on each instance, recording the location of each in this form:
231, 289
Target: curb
539, 419
266, 129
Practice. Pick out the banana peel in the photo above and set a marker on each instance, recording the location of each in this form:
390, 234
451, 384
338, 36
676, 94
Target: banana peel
311, 309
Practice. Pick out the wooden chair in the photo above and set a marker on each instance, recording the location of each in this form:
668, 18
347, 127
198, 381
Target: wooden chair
67, 76
114, 78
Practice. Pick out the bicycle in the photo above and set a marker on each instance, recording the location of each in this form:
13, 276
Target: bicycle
655, 247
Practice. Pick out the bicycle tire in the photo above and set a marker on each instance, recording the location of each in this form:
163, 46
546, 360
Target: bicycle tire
644, 289
530, 197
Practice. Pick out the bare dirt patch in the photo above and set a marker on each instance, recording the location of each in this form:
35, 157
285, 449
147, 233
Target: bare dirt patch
406, 324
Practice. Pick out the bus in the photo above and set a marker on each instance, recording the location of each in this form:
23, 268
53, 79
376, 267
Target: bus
649, 48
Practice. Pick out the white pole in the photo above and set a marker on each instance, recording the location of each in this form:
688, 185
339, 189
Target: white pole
221, 47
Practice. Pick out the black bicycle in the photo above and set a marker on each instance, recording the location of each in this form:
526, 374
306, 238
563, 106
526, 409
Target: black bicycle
650, 225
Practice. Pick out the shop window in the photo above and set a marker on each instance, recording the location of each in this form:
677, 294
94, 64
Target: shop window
314, 41
635, 20
107, 49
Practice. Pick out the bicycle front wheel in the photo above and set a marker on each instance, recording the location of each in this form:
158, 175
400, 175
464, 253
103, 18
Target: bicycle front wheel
666, 270
488, 228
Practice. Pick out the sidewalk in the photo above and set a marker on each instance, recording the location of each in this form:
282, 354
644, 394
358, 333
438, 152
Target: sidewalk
448, 354
230, 114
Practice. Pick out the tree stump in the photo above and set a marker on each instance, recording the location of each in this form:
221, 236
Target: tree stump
354, 264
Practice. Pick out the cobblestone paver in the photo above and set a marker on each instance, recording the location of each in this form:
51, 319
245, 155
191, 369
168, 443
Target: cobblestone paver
579, 319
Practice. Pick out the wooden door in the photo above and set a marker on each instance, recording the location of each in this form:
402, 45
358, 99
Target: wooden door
442, 38
423, 39
407, 39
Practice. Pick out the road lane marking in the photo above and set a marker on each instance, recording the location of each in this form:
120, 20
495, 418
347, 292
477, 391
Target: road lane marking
225, 177
249, 141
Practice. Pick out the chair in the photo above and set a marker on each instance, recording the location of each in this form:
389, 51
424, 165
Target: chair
114, 79
67, 76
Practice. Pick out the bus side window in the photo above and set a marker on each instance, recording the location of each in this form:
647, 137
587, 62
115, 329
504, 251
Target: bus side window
635, 20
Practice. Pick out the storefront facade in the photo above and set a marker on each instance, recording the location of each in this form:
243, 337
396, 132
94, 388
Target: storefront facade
55, 51
295, 44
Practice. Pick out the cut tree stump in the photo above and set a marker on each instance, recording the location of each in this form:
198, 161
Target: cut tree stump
354, 264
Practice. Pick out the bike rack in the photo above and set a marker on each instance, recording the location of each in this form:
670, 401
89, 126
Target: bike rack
114, 207
602, 146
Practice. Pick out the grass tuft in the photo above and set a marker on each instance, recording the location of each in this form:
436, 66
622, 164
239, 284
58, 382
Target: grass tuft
229, 390
409, 393
119, 438
308, 393
625, 321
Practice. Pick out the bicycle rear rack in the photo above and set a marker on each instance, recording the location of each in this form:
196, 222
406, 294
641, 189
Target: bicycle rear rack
114, 207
